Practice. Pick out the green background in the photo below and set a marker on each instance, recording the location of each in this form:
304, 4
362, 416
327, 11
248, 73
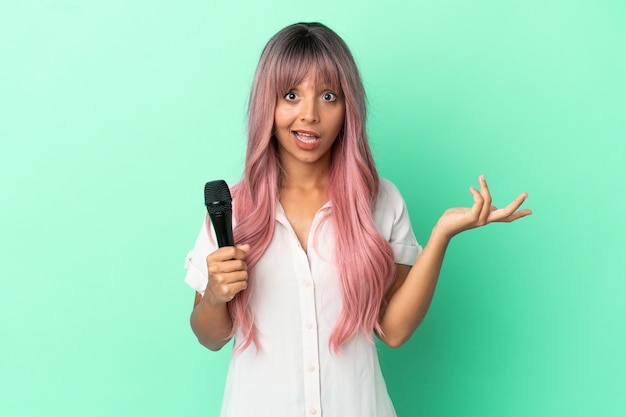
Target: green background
114, 114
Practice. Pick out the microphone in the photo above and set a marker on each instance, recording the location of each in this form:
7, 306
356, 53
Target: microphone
218, 203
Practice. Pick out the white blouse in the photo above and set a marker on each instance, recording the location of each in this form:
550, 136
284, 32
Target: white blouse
295, 298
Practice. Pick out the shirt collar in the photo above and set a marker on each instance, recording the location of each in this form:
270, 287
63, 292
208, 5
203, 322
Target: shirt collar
281, 216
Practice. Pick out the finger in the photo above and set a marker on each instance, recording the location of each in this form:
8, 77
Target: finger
225, 292
236, 288
514, 216
222, 281
518, 215
222, 254
225, 267
244, 248
221, 270
474, 212
486, 195
241, 251
239, 286
510, 213
231, 277
228, 252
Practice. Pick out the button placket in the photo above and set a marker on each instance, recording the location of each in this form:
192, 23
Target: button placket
310, 343
310, 353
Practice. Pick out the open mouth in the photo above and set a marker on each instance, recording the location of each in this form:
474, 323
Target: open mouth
306, 137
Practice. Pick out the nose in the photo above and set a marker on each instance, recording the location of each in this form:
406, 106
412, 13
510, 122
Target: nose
309, 111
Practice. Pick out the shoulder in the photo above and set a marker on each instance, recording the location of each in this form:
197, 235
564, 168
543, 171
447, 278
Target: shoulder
389, 207
387, 185
394, 224
388, 196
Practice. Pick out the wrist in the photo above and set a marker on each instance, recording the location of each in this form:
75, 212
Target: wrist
210, 301
440, 236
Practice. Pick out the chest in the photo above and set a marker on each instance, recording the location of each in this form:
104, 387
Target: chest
291, 289
300, 211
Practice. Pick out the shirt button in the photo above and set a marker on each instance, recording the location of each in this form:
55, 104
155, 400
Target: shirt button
311, 368
309, 325
313, 410
307, 283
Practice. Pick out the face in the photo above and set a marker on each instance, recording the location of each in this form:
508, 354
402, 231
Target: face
307, 121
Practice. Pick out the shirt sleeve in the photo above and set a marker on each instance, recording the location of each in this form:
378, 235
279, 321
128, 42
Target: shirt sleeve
392, 219
195, 263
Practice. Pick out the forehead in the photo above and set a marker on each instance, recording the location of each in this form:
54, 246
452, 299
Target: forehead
315, 80
318, 70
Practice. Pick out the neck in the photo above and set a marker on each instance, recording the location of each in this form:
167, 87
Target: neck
305, 176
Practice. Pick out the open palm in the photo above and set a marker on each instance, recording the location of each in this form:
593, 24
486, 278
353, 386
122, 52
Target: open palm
459, 219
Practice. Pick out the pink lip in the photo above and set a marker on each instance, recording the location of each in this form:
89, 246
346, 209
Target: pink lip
306, 146
308, 132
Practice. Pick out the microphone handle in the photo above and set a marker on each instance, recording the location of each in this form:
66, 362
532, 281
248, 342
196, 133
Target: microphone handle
222, 224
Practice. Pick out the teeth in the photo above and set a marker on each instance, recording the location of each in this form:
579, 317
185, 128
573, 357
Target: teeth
306, 138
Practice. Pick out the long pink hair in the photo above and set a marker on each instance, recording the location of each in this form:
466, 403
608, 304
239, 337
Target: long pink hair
363, 257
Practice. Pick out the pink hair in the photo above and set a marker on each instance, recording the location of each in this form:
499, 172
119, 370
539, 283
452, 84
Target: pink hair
363, 257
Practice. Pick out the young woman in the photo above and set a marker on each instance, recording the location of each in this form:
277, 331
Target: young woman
326, 246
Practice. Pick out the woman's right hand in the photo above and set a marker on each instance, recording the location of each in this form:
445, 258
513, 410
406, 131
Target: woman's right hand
228, 274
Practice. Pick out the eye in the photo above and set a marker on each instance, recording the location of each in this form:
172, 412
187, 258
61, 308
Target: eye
328, 96
291, 96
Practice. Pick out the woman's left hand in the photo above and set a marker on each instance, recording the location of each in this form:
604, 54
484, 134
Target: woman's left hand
457, 220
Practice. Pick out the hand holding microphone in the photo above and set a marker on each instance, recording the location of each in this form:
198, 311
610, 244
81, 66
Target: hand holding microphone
228, 273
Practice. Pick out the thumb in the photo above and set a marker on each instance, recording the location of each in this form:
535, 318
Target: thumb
245, 248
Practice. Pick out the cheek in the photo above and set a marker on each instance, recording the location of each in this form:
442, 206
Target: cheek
340, 119
282, 118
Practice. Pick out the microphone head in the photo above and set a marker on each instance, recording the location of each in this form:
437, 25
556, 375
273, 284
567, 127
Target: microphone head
217, 197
